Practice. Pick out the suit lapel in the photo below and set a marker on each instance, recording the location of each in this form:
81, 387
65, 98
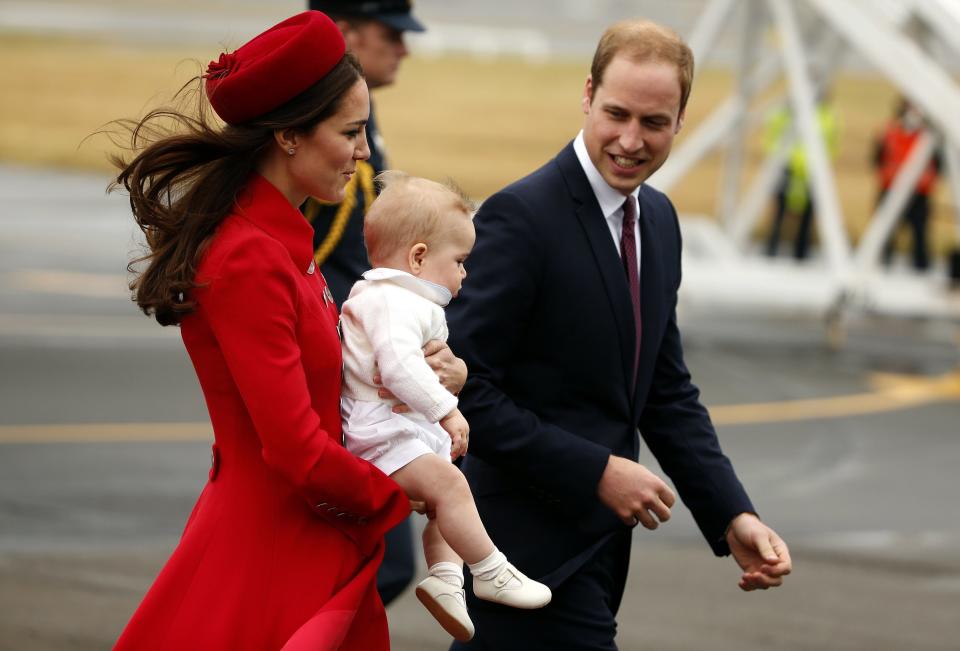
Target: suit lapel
651, 279
604, 253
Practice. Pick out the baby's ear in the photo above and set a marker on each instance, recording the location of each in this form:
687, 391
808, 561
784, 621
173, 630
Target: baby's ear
415, 257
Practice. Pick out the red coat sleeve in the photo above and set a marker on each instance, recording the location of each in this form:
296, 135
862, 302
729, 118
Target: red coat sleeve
251, 302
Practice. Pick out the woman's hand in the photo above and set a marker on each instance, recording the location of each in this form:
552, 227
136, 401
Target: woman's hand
421, 507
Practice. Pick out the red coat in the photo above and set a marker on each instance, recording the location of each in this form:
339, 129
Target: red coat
283, 545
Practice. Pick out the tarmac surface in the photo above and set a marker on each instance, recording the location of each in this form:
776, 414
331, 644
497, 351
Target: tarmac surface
851, 455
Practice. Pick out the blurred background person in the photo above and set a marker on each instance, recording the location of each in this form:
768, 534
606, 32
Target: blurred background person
891, 150
793, 199
373, 31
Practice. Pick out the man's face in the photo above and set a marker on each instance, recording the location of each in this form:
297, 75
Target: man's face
630, 120
379, 49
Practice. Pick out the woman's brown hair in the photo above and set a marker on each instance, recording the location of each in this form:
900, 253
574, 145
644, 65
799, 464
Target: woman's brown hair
187, 174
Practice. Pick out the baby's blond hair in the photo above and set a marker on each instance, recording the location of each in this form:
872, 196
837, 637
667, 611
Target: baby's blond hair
409, 210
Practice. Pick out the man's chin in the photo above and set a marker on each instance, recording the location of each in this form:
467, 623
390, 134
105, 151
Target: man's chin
624, 183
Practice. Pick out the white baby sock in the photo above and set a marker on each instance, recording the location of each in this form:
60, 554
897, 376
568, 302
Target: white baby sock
489, 567
448, 572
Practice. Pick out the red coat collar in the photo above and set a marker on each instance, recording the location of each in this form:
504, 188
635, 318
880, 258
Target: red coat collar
261, 203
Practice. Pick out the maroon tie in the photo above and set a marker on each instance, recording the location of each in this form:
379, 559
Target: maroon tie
628, 253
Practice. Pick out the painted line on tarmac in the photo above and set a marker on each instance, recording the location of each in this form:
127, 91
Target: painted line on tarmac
105, 433
892, 393
70, 283
45, 327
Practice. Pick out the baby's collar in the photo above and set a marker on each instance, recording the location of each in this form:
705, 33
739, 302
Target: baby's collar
431, 291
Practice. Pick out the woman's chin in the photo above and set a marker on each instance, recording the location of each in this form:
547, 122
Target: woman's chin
335, 196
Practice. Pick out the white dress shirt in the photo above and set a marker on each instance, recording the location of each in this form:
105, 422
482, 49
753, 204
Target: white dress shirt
610, 200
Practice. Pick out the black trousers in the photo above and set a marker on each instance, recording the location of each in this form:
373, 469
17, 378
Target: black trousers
396, 571
916, 214
801, 245
581, 616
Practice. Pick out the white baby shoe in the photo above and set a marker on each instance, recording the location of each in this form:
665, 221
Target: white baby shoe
511, 587
448, 605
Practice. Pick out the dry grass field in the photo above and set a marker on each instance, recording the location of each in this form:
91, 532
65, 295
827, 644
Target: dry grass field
480, 122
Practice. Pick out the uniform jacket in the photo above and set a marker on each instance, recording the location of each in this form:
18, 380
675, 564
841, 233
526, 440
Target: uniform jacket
338, 243
545, 325
282, 547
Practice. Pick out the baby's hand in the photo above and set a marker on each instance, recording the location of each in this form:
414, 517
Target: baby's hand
459, 430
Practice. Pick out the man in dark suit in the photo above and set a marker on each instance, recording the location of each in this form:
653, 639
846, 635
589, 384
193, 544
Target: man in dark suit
568, 326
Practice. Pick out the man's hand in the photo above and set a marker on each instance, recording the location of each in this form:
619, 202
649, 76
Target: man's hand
450, 369
459, 430
759, 551
634, 493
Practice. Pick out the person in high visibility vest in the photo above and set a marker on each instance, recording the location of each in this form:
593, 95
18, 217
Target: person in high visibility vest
891, 150
793, 193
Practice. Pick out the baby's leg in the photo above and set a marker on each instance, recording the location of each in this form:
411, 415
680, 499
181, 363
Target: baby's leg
445, 490
442, 591
435, 548
443, 487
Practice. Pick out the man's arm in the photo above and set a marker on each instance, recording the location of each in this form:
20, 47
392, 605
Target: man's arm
678, 430
487, 325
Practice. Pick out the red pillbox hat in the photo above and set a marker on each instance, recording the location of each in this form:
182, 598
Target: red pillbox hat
274, 67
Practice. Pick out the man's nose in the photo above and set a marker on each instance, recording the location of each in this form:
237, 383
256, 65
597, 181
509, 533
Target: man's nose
631, 138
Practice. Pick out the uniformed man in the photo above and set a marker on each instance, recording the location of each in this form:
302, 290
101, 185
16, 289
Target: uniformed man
373, 30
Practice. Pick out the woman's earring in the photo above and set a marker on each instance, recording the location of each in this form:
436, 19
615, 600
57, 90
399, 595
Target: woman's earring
291, 151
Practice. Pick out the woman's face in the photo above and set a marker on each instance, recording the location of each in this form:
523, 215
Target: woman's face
327, 156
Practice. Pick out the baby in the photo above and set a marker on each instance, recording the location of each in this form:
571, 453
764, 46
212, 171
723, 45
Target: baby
418, 235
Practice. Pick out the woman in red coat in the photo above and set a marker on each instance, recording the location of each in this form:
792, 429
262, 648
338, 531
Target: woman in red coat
282, 547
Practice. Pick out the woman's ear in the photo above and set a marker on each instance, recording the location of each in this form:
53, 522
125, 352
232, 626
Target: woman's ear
287, 139
415, 258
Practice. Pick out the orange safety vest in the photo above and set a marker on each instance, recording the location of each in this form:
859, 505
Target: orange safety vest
896, 145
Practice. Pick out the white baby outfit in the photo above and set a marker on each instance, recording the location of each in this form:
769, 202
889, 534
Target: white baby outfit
388, 318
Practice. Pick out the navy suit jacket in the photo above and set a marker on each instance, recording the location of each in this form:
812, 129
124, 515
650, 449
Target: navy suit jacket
545, 324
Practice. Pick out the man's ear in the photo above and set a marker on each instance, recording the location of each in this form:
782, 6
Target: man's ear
415, 258
680, 119
350, 33
587, 99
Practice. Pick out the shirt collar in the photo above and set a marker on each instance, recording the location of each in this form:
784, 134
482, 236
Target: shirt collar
610, 200
430, 291
264, 205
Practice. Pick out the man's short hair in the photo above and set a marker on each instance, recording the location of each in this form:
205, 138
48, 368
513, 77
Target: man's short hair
409, 210
642, 41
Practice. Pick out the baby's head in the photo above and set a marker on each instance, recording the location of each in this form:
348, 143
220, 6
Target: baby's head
421, 227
